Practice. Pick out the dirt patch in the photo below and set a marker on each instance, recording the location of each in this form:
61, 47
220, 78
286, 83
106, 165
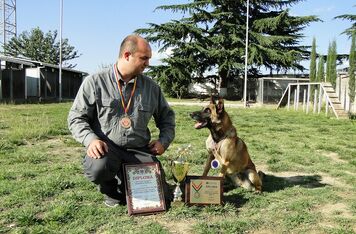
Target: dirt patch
179, 227
335, 210
58, 147
334, 182
338, 209
297, 177
334, 157
176, 226
265, 231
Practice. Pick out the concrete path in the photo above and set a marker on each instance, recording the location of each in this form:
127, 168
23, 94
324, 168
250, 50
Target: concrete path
204, 103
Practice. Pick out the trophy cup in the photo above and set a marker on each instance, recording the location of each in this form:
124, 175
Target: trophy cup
180, 169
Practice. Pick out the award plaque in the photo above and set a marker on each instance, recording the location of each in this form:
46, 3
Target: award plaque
204, 190
143, 185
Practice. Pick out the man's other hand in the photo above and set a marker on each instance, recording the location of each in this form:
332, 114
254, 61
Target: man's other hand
97, 149
156, 147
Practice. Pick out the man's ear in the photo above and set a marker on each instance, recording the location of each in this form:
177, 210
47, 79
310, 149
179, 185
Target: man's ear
220, 105
127, 55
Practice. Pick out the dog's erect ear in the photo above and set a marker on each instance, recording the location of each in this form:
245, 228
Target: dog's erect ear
212, 100
220, 105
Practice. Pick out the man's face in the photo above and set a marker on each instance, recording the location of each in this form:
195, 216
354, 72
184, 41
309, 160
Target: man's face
139, 60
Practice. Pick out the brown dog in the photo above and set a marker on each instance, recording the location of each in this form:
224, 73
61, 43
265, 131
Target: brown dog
224, 145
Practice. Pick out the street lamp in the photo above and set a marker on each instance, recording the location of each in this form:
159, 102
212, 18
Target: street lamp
60, 48
246, 53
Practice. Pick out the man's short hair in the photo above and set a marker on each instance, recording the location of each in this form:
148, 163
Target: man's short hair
129, 44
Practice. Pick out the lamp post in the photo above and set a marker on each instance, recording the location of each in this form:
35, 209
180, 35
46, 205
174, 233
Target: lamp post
60, 48
246, 53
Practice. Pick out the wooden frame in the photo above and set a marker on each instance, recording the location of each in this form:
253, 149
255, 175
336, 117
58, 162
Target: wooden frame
204, 190
143, 186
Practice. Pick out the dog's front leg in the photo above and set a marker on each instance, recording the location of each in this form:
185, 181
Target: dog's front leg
223, 171
208, 164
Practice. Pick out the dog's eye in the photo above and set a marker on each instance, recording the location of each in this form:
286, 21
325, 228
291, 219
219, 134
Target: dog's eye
207, 110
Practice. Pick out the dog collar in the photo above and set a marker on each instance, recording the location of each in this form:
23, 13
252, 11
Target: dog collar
231, 133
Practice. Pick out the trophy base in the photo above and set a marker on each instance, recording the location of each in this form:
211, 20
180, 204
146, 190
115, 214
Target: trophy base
177, 204
177, 194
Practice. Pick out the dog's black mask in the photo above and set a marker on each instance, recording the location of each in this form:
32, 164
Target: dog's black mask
202, 118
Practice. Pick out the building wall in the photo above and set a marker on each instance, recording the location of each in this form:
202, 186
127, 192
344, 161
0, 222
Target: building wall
342, 89
70, 84
271, 89
49, 84
33, 82
38, 84
13, 84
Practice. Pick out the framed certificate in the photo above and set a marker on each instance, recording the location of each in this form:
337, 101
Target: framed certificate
204, 190
143, 185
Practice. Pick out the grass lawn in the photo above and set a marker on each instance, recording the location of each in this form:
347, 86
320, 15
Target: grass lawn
309, 162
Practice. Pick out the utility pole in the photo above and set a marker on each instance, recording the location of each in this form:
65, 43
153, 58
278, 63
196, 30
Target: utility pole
60, 47
246, 53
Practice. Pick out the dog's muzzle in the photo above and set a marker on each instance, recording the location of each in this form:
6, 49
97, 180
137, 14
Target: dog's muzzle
200, 122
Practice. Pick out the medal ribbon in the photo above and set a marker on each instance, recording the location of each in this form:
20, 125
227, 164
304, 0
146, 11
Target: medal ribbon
197, 187
126, 107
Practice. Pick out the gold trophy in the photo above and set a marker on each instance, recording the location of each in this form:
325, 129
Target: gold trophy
180, 169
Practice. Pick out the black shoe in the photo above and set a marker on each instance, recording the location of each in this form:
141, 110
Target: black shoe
113, 201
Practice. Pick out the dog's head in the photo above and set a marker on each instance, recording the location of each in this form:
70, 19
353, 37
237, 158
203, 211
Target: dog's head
209, 115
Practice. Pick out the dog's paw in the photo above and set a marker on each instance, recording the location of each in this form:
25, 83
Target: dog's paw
258, 190
261, 174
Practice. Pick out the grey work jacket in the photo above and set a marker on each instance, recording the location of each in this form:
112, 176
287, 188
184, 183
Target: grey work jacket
97, 110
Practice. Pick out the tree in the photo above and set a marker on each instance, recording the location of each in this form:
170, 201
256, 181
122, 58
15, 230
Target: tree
320, 73
211, 39
349, 31
41, 47
331, 73
312, 68
352, 69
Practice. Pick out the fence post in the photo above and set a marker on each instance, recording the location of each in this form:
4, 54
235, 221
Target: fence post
304, 97
346, 107
262, 87
308, 99
289, 88
295, 99
320, 98
298, 90
315, 100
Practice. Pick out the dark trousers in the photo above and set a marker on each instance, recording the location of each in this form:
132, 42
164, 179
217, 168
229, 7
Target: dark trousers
107, 172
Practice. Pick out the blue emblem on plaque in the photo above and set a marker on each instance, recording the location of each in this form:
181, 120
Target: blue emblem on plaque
215, 164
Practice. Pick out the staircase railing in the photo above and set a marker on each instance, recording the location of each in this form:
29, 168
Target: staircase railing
323, 92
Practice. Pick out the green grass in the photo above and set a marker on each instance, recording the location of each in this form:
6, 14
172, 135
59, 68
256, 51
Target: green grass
309, 161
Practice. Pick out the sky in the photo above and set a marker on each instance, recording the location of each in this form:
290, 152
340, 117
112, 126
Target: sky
96, 28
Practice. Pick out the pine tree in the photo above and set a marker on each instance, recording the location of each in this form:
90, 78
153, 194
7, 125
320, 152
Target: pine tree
352, 69
320, 73
211, 38
331, 73
351, 30
328, 58
312, 67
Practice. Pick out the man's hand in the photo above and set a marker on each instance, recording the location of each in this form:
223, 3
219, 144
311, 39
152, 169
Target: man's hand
97, 149
156, 147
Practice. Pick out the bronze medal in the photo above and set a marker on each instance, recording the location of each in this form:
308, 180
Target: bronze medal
125, 122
